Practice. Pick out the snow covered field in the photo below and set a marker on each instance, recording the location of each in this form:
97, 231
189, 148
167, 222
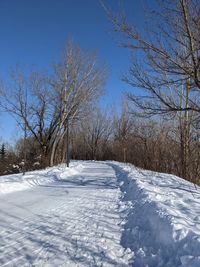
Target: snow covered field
99, 214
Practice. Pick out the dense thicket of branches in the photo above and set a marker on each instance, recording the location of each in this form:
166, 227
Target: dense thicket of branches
149, 144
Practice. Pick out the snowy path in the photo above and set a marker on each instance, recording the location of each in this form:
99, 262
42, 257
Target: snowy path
99, 214
73, 222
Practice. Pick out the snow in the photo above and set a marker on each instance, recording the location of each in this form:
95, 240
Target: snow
99, 214
18, 182
163, 221
71, 221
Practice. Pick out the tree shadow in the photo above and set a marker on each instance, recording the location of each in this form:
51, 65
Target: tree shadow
82, 181
58, 238
48, 241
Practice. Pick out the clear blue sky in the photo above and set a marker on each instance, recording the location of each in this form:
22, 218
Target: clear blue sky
34, 32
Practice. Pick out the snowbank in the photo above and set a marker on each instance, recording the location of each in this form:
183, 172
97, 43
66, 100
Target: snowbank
162, 218
18, 182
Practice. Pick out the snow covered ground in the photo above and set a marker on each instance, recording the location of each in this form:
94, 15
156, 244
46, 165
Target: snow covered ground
18, 182
162, 227
99, 214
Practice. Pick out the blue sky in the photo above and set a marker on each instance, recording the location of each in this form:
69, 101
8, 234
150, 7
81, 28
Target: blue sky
34, 32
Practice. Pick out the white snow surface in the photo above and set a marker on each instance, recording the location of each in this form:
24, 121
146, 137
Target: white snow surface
99, 214
18, 182
163, 223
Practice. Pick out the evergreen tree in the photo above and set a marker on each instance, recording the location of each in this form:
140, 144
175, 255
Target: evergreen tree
2, 152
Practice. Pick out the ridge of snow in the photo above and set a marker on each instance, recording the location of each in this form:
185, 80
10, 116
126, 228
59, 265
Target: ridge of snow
163, 214
19, 182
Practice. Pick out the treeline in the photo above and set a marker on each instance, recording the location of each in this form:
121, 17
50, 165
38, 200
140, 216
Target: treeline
102, 135
160, 128
149, 144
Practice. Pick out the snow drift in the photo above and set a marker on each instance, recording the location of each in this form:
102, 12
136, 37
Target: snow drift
18, 182
162, 218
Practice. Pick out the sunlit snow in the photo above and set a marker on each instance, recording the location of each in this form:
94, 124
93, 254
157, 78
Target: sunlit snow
99, 214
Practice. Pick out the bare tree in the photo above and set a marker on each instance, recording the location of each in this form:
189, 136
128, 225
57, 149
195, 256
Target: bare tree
78, 81
44, 105
123, 125
169, 55
96, 130
165, 64
27, 98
